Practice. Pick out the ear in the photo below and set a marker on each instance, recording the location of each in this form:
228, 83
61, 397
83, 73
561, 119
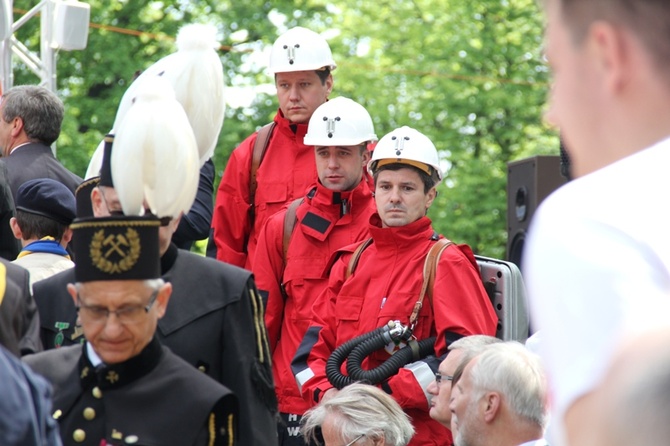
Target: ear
366, 156
163, 298
99, 208
610, 48
329, 85
16, 230
17, 127
67, 236
72, 289
432, 193
491, 402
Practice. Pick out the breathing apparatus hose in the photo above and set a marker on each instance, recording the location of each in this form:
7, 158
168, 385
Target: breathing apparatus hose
337, 358
357, 349
412, 352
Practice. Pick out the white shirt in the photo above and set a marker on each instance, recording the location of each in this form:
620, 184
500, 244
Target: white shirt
597, 269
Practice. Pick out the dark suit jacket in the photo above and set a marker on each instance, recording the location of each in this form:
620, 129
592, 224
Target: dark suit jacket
35, 160
195, 224
9, 245
19, 321
213, 321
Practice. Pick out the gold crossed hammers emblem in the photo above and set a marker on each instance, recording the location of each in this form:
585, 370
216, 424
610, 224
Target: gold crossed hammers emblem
126, 247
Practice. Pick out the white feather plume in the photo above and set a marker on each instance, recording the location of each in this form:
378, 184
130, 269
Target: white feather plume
196, 75
155, 153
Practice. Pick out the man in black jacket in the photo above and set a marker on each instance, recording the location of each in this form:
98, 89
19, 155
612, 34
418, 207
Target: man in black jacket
19, 322
30, 121
122, 386
214, 320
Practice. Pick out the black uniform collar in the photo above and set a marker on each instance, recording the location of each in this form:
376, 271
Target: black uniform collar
117, 375
168, 259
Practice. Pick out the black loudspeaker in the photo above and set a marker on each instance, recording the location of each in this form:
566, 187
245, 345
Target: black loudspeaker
529, 181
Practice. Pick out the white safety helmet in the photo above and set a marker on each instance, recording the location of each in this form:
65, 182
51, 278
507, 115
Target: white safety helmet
340, 122
406, 145
300, 49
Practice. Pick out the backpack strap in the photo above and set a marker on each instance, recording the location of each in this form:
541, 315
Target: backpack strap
260, 147
290, 219
429, 269
353, 262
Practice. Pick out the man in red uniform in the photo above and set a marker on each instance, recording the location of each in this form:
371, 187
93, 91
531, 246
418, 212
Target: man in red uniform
335, 213
386, 284
301, 61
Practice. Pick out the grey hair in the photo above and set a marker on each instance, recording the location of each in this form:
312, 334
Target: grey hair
152, 284
472, 345
40, 109
361, 409
517, 374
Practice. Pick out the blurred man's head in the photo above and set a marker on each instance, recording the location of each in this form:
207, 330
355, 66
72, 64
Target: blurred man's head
610, 62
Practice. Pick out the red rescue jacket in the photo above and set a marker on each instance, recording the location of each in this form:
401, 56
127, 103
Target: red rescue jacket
326, 221
385, 286
287, 170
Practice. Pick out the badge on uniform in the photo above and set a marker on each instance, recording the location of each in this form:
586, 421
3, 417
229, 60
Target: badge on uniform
60, 337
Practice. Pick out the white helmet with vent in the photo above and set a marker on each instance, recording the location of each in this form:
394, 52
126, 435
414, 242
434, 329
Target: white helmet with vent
340, 122
406, 145
300, 49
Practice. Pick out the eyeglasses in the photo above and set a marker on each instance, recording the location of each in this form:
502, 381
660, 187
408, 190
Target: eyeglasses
126, 316
440, 377
119, 212
355, 440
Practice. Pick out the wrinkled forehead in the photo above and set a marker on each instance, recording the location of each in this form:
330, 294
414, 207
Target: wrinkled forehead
118, 292
451, 362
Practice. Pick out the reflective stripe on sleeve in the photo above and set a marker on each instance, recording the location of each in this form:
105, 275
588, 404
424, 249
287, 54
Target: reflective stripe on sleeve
423, 375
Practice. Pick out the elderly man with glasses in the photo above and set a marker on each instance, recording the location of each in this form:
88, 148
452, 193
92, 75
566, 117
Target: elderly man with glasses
122, 386
460, 352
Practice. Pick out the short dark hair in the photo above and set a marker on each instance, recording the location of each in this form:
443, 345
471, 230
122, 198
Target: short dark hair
649, 20
38, 226
428, 181
323, 74
40, 109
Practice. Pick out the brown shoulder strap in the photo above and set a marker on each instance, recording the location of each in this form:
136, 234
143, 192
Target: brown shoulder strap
260, 146
353, 262
429, 268
290, 219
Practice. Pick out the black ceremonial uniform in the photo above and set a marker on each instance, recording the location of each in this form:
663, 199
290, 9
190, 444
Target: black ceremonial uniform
126, 403
214, 321
20, 326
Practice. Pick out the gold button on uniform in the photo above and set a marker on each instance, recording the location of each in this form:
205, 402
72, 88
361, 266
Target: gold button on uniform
132, 439
89, 413
57, 414
97, 393
79, 435
202, 368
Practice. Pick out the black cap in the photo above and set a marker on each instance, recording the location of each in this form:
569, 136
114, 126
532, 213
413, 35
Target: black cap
83, 197
116, 248
106, 167
48, 198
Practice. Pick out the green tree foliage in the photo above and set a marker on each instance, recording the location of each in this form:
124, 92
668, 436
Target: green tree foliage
468, 74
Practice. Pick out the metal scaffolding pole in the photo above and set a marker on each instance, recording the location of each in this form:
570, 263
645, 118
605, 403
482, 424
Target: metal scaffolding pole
44, 64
